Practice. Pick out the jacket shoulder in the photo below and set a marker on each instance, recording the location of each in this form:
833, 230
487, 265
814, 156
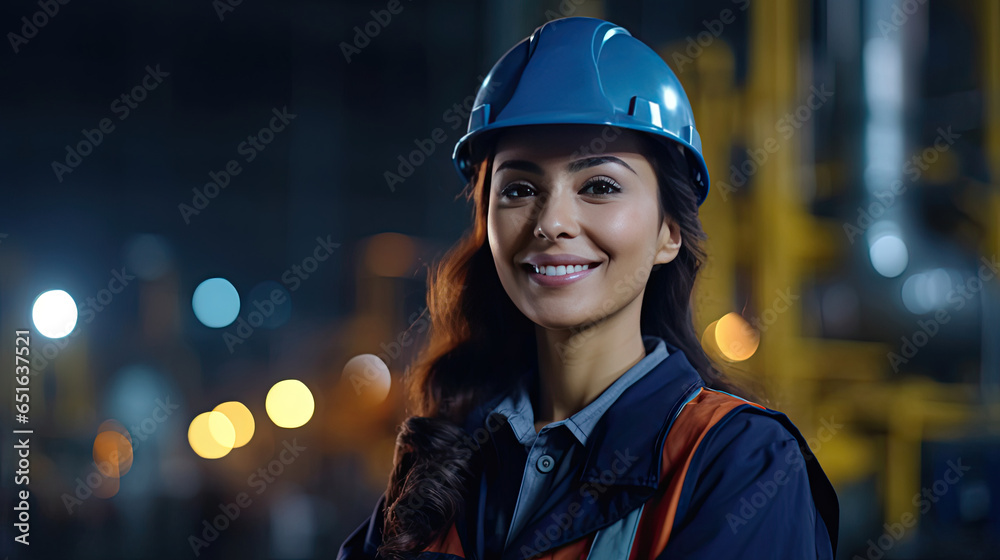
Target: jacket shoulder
748, 441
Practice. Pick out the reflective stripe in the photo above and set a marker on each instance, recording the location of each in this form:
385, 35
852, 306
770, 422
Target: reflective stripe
760, 406
690, 398
616, 539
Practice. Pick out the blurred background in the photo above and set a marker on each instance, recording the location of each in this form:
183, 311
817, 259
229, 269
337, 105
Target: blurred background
209, 208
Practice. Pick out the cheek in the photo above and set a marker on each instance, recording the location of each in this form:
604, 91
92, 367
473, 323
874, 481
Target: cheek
494, 233
504, 227
624, 234
500, 235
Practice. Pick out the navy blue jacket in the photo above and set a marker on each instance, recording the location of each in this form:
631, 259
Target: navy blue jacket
709, 475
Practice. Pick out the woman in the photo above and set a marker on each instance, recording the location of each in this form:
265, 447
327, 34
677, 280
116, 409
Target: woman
565, 406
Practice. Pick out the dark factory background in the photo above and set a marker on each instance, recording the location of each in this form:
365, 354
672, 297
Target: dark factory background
209, 207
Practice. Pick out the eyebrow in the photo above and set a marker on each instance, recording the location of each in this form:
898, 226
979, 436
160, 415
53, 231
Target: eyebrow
573, 167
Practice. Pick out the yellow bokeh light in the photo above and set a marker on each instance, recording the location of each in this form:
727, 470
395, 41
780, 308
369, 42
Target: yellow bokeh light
708, 340
211, 435
222, 429
112, 453
289, 403
737, 340
241, 418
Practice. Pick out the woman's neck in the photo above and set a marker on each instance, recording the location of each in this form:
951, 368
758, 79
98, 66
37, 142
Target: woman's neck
576, 365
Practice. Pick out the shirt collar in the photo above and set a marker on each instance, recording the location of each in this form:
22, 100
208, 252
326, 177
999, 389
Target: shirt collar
516, 406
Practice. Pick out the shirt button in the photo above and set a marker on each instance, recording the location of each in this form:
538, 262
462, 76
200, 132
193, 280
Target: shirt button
545, 463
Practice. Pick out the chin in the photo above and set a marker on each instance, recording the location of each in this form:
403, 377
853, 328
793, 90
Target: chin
563, 321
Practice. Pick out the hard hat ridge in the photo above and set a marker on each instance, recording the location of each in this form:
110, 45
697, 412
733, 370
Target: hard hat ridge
582, 70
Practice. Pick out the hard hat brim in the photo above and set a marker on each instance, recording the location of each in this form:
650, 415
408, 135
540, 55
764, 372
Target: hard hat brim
470, 148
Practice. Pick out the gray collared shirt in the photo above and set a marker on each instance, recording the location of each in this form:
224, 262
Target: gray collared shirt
556, 450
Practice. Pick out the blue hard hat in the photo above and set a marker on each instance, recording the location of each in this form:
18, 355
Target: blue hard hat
582, 70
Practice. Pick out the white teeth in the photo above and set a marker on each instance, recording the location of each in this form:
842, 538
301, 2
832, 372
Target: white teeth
560, 270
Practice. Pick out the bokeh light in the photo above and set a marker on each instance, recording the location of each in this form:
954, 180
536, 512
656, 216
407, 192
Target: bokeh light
216, 303
289, 403
54, 313
889, 255
368, 378
926, 291
708, 341
211, 435
730, 338
736, 338
112, 453
242, 420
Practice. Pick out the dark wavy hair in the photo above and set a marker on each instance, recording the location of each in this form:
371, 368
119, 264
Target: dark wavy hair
478, 337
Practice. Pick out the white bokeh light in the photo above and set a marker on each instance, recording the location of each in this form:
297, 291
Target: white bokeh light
926, 291
54, 313
889, 255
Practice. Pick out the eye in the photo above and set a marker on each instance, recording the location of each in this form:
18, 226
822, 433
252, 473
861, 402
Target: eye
602, 183
513, 187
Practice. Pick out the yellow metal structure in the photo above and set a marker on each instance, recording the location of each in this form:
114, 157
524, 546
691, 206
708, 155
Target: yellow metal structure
879, 422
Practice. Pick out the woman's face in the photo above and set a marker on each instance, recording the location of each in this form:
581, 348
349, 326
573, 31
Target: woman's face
551, 197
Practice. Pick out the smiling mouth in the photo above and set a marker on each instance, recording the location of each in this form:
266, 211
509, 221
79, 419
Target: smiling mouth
561, 270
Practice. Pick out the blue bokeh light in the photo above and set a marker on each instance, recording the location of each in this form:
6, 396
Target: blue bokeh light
216, 303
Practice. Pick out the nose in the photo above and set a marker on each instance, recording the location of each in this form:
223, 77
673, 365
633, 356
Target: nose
556, 216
